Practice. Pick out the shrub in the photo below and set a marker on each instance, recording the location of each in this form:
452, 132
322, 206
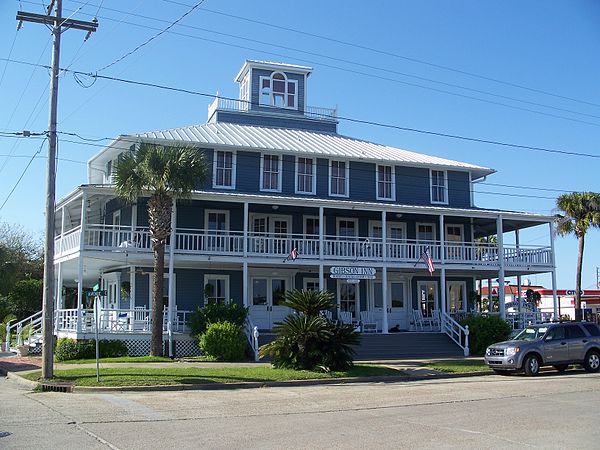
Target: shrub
214, 313
224, 341
306, 340
484, 331
69, 349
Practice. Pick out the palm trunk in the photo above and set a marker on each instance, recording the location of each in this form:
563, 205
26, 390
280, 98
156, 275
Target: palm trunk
156, 347
578, 276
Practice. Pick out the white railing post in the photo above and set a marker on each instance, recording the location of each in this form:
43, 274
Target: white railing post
255, 335
466, 349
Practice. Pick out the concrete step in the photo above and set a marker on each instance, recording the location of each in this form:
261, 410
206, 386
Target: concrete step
409, 345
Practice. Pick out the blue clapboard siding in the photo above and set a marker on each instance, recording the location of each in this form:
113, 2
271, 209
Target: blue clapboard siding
459, 195
362, 181
412, 186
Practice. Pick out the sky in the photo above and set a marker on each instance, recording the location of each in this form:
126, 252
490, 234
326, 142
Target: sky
516, 72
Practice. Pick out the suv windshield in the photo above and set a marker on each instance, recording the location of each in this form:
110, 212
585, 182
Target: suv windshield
531, 334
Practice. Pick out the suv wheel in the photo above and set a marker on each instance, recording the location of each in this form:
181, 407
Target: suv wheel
531, 366
592, 361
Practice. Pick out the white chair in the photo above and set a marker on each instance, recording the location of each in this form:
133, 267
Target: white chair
368, 322
420, 321
141, 320
345, 317
436, 319
327, 314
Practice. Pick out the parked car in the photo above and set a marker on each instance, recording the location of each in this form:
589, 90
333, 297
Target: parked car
553, 344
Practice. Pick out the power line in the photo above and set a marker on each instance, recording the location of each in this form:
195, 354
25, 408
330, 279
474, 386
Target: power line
23, 173
368, 66
392, 54
349, 119
393, 80
151, 38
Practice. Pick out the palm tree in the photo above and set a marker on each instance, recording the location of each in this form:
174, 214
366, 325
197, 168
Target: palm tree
163, 173
578, 211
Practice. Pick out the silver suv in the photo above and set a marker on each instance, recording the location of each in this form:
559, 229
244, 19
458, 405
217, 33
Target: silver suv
552, 344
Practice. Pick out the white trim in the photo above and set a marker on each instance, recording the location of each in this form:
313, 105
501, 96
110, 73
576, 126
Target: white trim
279, 171
437, 202
314, 176
390, 225
346, 174
436, 297
457, 225
216, 211
463, 285
233, 169
214, 276
393, 182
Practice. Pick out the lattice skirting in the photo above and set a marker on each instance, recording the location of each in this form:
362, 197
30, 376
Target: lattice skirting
182, 348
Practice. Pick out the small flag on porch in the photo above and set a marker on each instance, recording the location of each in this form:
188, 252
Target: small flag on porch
428, 261
292, 256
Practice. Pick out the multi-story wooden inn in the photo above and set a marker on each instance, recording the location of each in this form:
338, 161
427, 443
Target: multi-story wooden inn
359, 215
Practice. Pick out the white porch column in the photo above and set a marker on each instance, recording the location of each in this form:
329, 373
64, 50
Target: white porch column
517, 245
134, 213
245, 297
554, 297
245, 243
62, 229
172, 295
384, 277
321, 248
132, 294
443, 264
500, 238
80, 267
58, 297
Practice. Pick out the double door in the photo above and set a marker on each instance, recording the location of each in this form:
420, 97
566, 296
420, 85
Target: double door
397, 303
270, 234
266, 298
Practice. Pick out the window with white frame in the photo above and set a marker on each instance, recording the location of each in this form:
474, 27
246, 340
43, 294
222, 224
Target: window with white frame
347, 228
306, 180
311, 284
270, 173
224, 169
338, 178
439, 186
385, 183
277, 90
311, 226
425, 232
216, 289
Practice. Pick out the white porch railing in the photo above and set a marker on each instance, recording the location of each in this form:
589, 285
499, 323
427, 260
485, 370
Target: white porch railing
230, 104
118, 321
27, 331
272, 245
456, 332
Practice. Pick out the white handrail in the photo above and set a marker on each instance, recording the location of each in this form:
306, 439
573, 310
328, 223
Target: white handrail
252, 334
33, 320
456, 332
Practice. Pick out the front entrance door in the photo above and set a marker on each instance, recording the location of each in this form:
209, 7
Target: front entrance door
267, 296
397, 309
428, 297
348, 297
454, 242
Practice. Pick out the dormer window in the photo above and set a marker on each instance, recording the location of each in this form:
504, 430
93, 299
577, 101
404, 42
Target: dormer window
278, 91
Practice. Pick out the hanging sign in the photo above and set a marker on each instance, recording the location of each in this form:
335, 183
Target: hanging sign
352, 273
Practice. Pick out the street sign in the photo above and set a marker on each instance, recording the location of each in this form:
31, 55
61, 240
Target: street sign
96, 293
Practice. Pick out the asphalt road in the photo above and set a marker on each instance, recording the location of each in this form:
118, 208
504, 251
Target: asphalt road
550, 411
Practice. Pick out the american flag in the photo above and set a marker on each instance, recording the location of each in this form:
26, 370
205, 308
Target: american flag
292, 256
428, 261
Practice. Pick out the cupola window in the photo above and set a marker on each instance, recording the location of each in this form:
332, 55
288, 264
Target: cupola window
278, 91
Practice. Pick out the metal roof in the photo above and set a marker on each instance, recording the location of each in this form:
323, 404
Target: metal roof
304, 142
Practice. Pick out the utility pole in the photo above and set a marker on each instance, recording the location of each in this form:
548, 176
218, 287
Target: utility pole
57, 22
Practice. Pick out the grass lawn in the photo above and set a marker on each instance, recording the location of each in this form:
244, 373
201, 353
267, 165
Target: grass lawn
136, 359
133, 376
458, 366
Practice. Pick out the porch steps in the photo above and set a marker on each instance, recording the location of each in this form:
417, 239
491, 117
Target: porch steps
409, 345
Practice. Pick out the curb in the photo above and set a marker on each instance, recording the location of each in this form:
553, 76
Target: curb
250, 384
